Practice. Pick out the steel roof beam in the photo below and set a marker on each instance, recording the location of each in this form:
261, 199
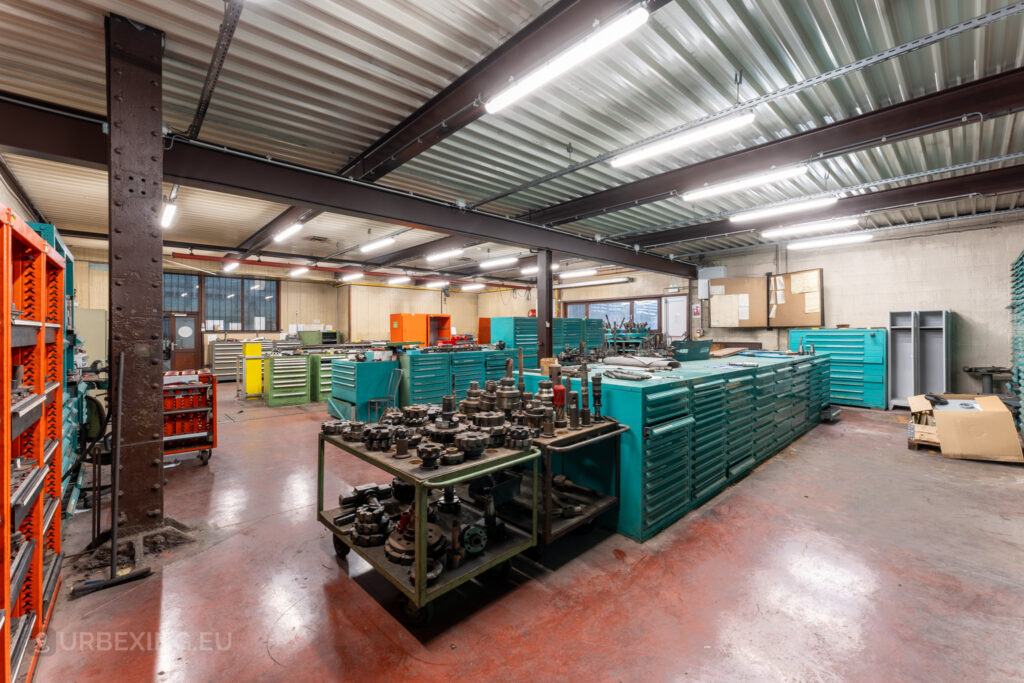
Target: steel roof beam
999, 181
987, 97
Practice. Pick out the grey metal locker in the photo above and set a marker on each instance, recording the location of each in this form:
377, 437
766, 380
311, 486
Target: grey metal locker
902, 357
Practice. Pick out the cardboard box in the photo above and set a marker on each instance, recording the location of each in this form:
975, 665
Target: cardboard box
969, 427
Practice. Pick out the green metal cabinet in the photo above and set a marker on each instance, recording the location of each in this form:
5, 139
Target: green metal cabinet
517, 333
320, 376
426, 377
858, 362
285, 380
466, 367
354, 383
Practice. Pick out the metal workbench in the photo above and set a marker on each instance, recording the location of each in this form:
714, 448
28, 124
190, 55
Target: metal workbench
420, 593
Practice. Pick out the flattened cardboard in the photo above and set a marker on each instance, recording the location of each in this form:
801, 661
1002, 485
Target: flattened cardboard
986, 434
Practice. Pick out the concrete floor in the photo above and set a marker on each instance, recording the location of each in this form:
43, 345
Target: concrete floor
846, 557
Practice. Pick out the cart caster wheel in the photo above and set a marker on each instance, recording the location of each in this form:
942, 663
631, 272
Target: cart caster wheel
417, 616
501, 572
204, 457
340, 549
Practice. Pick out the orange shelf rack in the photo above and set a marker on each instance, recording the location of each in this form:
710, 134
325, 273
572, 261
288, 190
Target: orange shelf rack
190, 412
31, 339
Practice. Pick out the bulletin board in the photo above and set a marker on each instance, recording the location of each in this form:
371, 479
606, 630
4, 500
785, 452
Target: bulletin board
796, 299
738, 302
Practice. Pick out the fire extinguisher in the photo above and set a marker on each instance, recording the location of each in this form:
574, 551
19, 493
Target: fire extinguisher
532, 313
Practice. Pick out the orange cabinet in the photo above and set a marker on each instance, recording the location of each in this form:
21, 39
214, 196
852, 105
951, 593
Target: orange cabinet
425, 328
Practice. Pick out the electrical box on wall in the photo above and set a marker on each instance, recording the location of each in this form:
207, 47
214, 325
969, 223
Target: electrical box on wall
705, 274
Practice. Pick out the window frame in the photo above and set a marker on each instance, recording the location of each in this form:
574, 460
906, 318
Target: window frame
630, 299
201, 312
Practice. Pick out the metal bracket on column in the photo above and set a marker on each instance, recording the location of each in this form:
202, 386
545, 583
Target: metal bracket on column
135, 158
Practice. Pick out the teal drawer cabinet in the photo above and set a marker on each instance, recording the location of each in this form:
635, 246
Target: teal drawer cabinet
354, 383
467, 366
517, 332
857, 363
426, 377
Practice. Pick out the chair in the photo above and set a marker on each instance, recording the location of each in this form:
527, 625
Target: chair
377, 406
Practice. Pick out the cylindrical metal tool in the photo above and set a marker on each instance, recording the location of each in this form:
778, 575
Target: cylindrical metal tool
545, 392
559, 403
521, 384
574, 410
596, 382
584, 395
548, 425
555, 373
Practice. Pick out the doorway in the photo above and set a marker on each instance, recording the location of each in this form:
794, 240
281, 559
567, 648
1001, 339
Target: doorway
676, 317
181, 348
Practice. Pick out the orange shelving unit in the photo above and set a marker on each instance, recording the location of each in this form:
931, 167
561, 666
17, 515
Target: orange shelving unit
31, 341
425, 328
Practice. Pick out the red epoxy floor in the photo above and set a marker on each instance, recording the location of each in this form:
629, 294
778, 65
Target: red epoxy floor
846, 557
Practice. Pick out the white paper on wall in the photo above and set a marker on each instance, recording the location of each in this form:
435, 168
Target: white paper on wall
771, 313
725, 311
717, 290
799, 283
780, 297
743, 307
812, 302
780, 283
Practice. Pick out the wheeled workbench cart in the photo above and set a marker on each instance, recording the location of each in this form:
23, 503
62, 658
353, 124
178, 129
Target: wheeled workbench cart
190, 413
419, 592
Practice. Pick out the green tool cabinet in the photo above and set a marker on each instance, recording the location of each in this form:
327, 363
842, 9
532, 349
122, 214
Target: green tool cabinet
858, 362
517, 333
320, 376
466, 367
593, 332
494, 363
426, 377
285, 380
566, 332
354, 383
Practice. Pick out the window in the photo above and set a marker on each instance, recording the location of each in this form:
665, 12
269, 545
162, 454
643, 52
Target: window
230, 304
635, 310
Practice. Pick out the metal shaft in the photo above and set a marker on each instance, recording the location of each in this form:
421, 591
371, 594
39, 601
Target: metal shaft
574, 410
584, 395
597, 397
522, 384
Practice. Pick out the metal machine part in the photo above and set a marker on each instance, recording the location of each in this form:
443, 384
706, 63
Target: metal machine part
474, 539
596, 384
402, 491
473, 443
547, 427
519, 438
574, 410
507, 396
521, 384
378, 437
415, 415
452, 456
489, 399
333, 427
628, 375
450, 504
429, 454
392, 416
559, 402
372, 523
545, 392
584, 395
534, 414
435, 568
353, 431
555, 373
400, 546
471, 404
488, 419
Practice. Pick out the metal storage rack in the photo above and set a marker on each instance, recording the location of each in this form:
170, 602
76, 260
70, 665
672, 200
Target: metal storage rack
221, 356
419, 591
285, 380
320, 376
858, 362
354, 383
1017, 323
190, 413
517, 333
33, 284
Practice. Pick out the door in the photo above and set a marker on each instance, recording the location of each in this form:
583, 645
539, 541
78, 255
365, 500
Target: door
181, 345
676, 313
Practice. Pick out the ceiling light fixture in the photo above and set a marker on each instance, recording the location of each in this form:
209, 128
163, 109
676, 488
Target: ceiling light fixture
441, 255
684, 139
745, 182
530, 270
399, 280
184, 293
230, 266
271, 296
168, 215
584, 272
807, 228
350, 277
497, 262
287, 232
230, 296
377, 244
472, 287
295, 272
575, 55
434, 284
594, 283
839, 241
783, 210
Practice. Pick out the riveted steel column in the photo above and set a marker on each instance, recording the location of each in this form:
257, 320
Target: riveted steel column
135, 158
544, 304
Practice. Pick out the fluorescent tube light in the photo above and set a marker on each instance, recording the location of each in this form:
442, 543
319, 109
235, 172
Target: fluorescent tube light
435, 284
184, 293
684, 139
441, 255
745, 182
594, 283
473, 287
350, 277
376, 244
401, 279
530, 270
287, 232
792, 207
838, 241
584, 272
575, 55
168, 215
271, 296
807, 228
295, 272
496, 262
230, 266
230, 296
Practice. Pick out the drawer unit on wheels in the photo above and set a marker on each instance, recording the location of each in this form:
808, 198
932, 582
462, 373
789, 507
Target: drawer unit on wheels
857, 363
467, 366
517, 333
320, 377
494, 363
285, 380
354, 383
655, 476
426, 377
